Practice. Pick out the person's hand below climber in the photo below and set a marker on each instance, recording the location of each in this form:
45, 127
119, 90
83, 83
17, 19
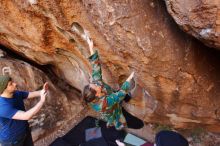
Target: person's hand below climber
119, 143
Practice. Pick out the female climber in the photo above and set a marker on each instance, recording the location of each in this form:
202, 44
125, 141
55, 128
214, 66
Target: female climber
102, 98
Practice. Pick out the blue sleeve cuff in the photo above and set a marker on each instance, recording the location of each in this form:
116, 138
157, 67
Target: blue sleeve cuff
25, 95
94, 56
21, 94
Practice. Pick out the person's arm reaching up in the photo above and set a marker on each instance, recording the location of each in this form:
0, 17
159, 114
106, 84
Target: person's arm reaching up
37, 93
120, 95
90, 42
130, 77
22, 115
96, 66
126, 85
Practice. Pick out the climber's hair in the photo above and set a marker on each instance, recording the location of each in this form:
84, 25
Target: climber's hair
88, 94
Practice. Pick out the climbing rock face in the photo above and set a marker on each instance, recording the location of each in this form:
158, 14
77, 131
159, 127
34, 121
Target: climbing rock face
41, 31
199, 18
56, 110
177, 77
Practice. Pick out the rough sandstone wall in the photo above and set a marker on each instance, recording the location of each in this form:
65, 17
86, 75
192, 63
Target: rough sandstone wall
200, 18
177, 77
180, 74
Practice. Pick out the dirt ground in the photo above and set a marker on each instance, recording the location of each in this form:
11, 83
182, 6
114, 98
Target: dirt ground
195, 138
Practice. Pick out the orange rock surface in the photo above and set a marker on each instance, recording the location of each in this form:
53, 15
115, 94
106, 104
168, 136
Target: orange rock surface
177, 77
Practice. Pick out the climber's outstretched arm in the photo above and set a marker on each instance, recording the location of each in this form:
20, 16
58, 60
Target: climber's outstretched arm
90, 43
96, 66
126, 85
130, 77
120, 95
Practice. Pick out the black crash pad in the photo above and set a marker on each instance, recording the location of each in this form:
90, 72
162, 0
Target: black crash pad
76, 136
